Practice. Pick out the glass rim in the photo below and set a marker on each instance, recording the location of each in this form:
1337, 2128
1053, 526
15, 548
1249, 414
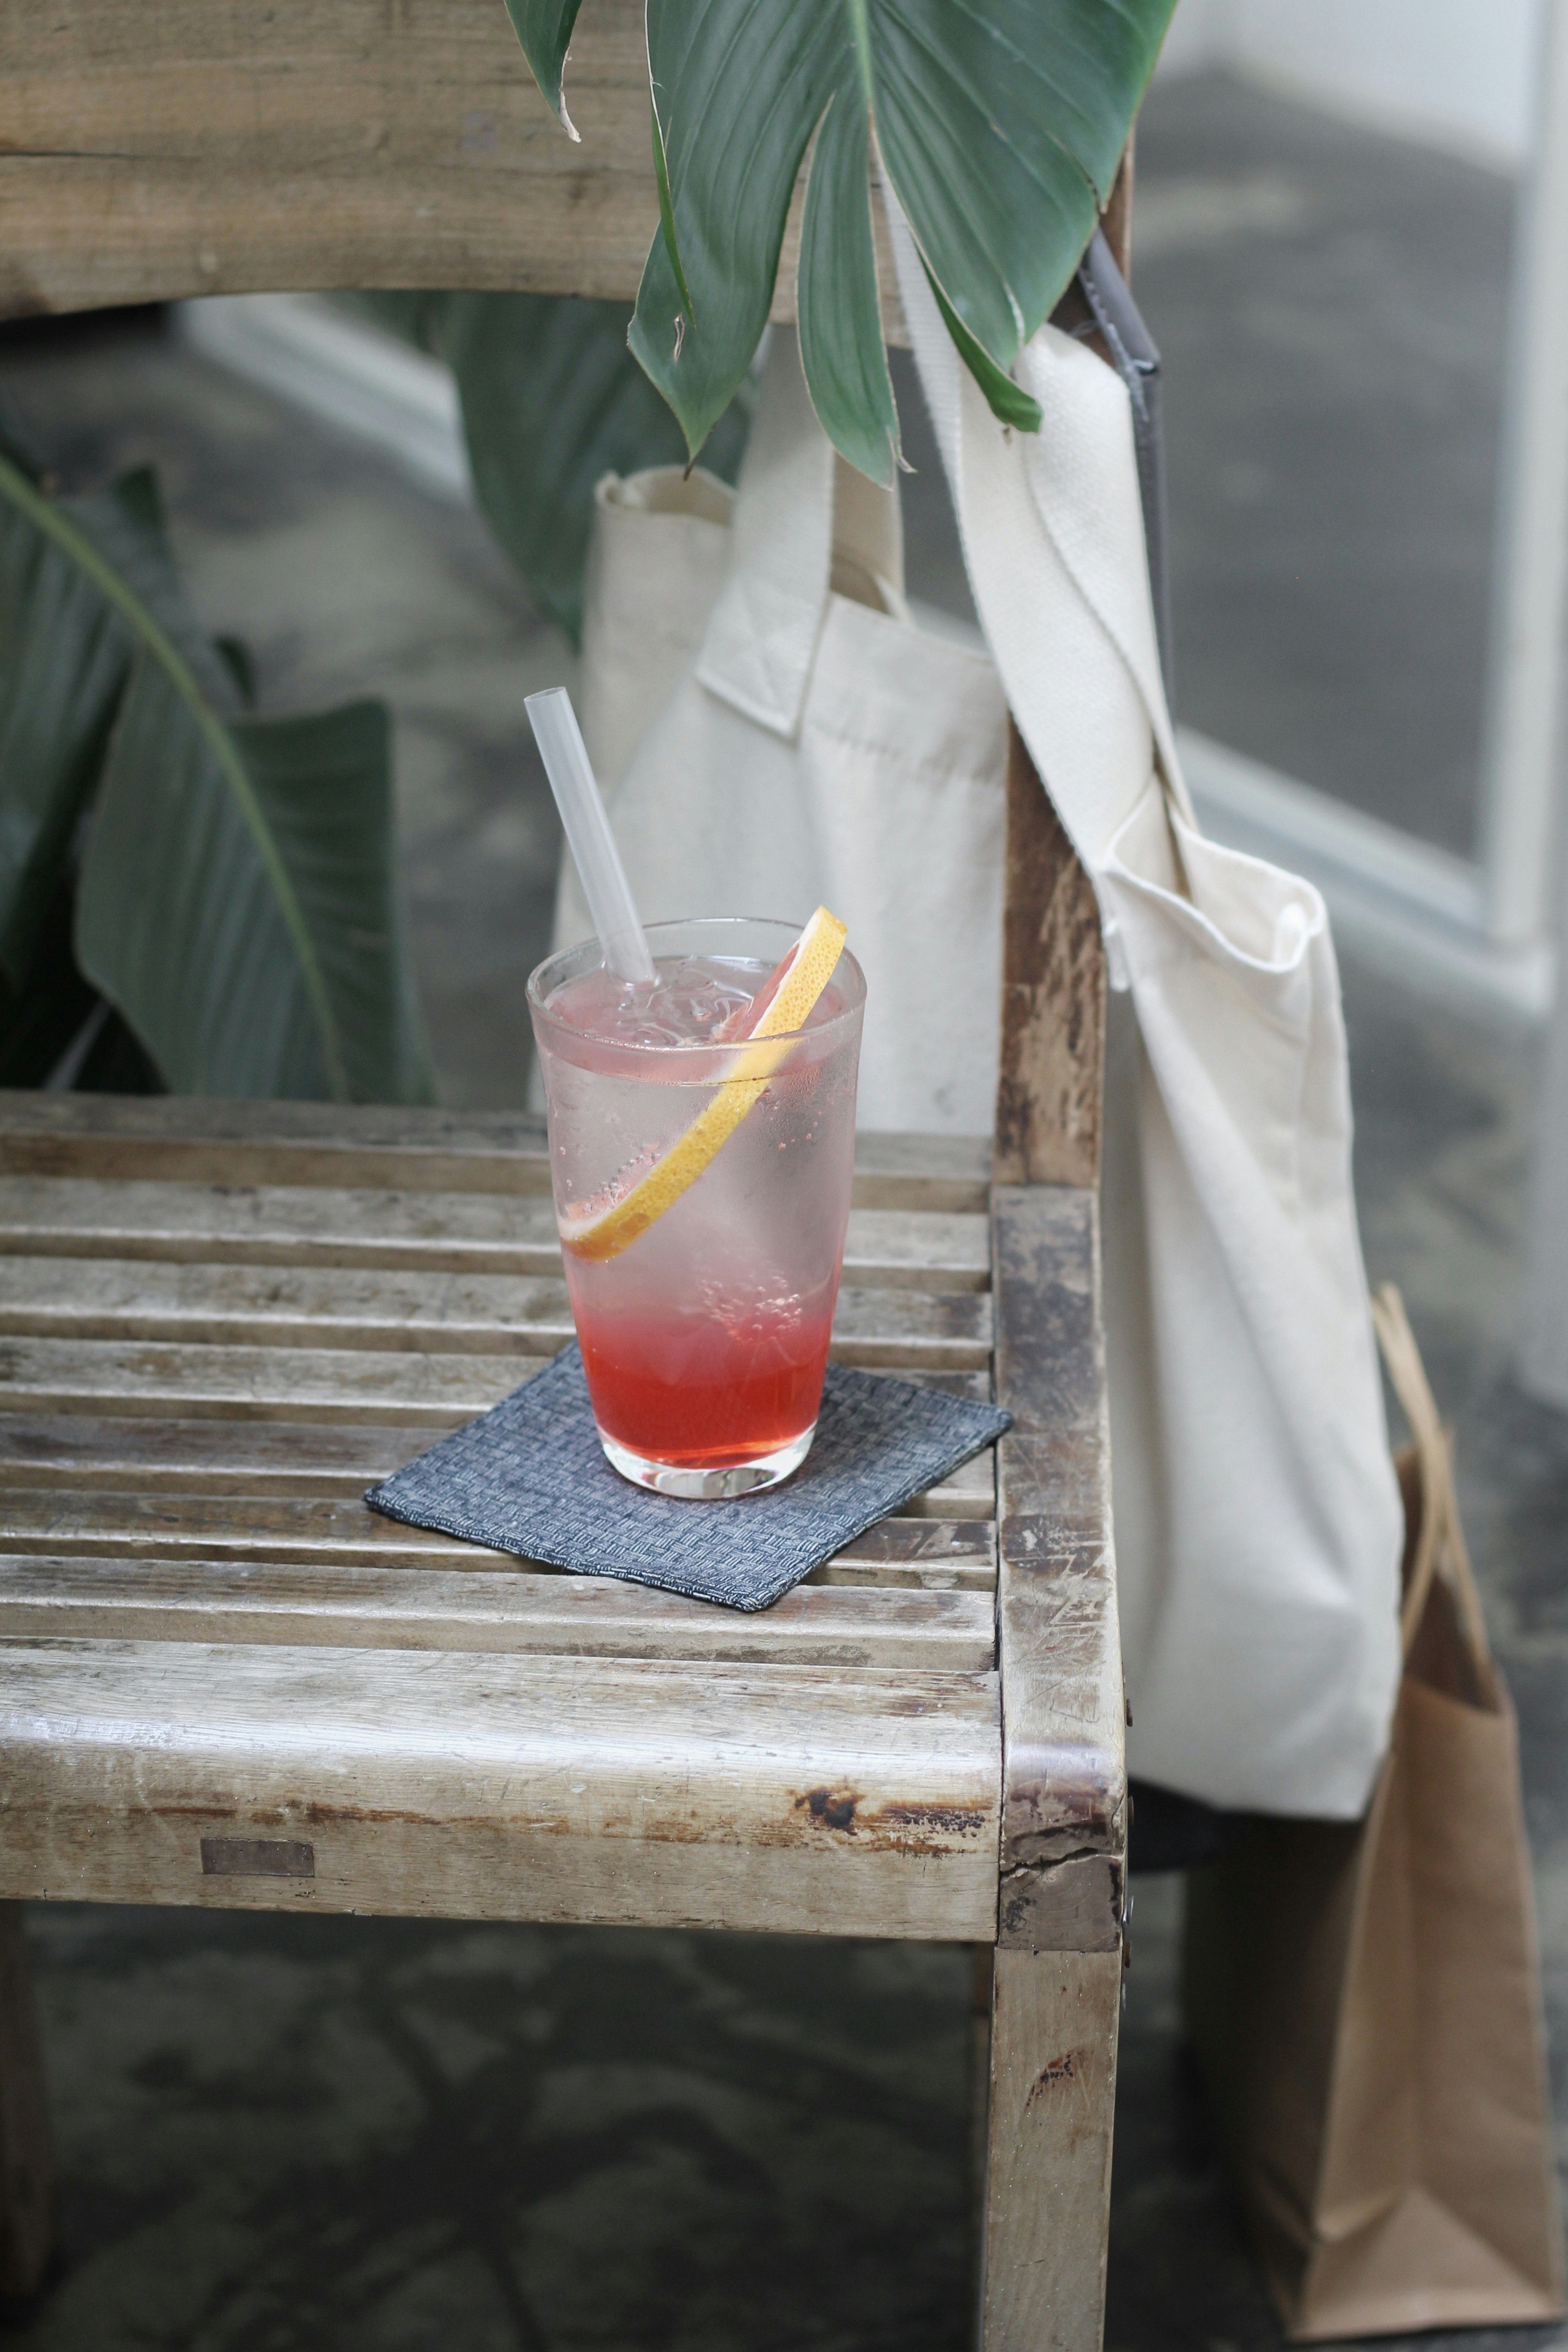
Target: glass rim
696, 1047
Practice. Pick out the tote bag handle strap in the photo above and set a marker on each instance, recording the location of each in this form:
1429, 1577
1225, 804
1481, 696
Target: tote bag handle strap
1440, 1545
1136, 356
798, 510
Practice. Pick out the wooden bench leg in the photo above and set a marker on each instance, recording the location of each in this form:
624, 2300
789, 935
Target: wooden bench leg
1054, 2023
26, 2163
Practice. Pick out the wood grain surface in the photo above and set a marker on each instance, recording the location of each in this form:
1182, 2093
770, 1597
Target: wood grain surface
345, 1145
216, 1328
1050, 1078
207, 147
240, 1306
101, 1377
327, 1532
1063, 1801
159, 1597
1048, 2185
461, 1785
1051, 1075
440, 1232
79, 1452
197, 1376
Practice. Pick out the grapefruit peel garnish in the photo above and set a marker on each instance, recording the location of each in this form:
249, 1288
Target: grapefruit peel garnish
801, 980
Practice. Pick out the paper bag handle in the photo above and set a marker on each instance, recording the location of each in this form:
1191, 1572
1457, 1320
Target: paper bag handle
1439, 1508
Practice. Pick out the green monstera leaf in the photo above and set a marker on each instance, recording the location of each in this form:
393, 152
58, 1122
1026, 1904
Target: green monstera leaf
997, 125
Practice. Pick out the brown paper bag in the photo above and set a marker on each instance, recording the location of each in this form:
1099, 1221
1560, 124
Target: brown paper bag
1365, 1998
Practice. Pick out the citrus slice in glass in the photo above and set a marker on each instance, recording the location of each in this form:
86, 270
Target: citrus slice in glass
786, 999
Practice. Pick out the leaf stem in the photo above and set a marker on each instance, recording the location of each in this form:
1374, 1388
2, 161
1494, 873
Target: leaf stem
48, 517
860, 34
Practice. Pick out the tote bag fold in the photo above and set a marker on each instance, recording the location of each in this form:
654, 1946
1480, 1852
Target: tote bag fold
1365, 1998
1256, 1511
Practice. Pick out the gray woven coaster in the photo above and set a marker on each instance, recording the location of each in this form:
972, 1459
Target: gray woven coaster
529, 1476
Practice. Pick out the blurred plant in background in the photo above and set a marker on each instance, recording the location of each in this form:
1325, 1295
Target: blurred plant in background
190, 895
552, 398
195, 897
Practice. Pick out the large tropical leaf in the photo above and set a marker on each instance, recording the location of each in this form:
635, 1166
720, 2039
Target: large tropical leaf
998, 124
545, 28
65, 651
552, 399
739, 85
238, 899
248, 862
840, 321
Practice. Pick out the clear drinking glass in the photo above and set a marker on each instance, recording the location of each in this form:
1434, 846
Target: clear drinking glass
704, 1339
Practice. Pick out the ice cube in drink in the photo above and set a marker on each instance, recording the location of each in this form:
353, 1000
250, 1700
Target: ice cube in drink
704, 1339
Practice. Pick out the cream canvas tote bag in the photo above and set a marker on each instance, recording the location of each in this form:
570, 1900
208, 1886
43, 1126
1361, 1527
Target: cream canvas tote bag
774, 732
1256, 1512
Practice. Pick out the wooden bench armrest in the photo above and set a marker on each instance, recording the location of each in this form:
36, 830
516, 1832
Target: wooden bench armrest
1064, 1798
1064, 1807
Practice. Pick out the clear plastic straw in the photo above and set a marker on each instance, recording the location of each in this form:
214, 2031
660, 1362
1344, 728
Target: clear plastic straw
588, 834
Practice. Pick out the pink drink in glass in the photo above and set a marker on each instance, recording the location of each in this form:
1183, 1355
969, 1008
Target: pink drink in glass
704, 1339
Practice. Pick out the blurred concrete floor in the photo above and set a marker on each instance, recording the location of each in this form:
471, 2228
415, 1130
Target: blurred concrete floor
356, 2136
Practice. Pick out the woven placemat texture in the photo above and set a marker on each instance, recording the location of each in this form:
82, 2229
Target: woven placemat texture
529, 1478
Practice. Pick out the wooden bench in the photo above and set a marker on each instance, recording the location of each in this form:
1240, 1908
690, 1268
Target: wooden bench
222, 1679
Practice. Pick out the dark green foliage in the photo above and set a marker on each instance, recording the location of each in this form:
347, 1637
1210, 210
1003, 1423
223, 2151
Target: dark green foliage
997, 123
552, 399
188, 895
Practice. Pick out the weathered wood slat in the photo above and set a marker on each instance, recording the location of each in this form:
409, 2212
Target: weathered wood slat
449, 1233
937, 1173
267, 1384
926, 1573
910, 1331
201, 149
335, 1306
272, 1532
143, 1455
190, 1139
334, 1531
242, 1457
436, 1233
288, 1307
175, 1463
104, 1376
924, 1544
1064, 1808
223, 1600
182, 151
483, 1786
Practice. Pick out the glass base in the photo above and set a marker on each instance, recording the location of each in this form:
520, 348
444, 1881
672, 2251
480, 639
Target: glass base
717, 1482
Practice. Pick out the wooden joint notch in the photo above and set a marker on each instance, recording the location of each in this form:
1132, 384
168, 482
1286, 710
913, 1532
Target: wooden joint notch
1077, 1905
